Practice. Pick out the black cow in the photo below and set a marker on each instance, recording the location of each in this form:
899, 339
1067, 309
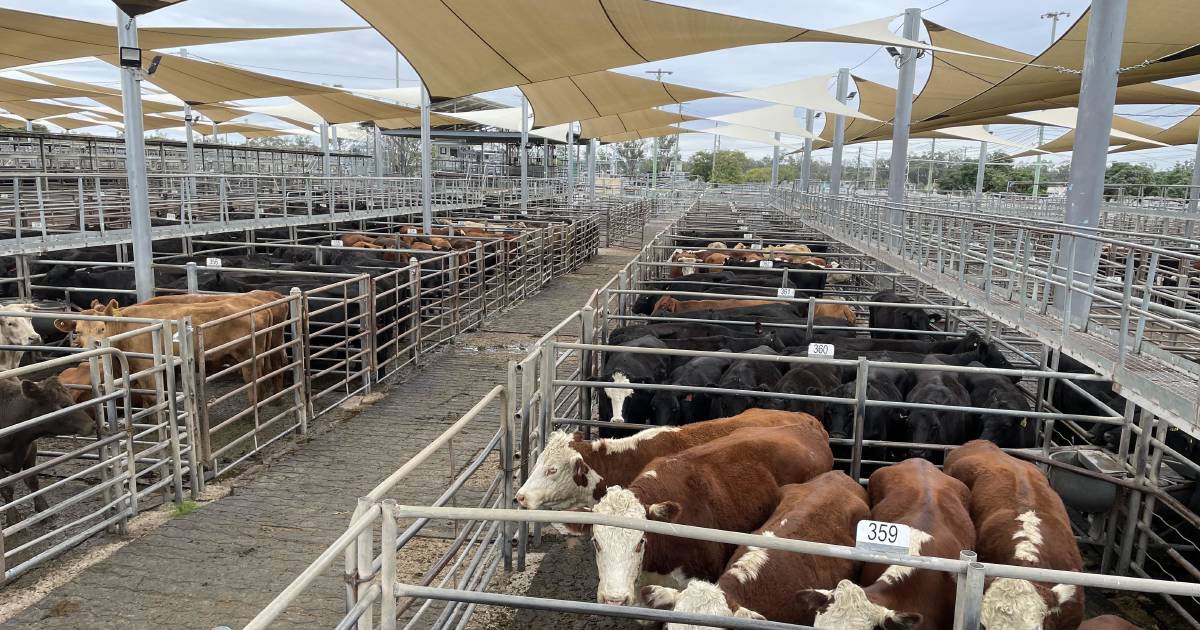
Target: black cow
937, 426
676, 330
673, 408
879, 423
631, 405
992, 391
747, 374
900, 317
1067, 400
952, 345
984, 353
811, 379
26, 400
722, 342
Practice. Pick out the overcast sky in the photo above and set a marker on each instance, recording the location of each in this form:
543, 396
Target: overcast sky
365, 59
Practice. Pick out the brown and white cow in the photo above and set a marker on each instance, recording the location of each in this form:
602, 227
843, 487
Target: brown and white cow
1107, 622
572, 472
16, 331
761, 583
686, 263
731, 483
915, 493
1019, 520
668, 304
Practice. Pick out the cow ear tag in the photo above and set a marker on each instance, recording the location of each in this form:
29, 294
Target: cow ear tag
1024, 422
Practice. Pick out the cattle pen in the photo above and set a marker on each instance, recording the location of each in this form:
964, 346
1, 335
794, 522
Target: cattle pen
1138, 528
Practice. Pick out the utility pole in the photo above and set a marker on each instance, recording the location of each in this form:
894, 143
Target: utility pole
397, 68
135, 159
839, 134
1054, 17
932, 157
875, 168
857, 167
806, 165
979, 174
907, 63
658, 74
426, 163
712, 177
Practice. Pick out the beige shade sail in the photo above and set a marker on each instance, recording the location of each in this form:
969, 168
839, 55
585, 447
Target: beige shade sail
1159, 38
630, 121
874, 99
976, 133
462, 47
72, 122
744, 133
408, 96
1129, 133
11, 122
780, 118
14, 90
149, 122
598, 94
104, 95
28, 38
33, 110
645, 134
343, 107
810, 93
221, 113
272, 133
197, 81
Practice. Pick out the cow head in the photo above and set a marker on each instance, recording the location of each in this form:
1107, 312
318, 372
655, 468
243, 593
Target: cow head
89, 333
1010, 604
619, 551
699, 597
1004, 430
665, 408
618, 395
988, 355
50, 396
919, 319
849, 607
18, 331
559, 478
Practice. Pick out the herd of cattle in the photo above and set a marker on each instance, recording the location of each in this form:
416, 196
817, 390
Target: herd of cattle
769, 472
240, 318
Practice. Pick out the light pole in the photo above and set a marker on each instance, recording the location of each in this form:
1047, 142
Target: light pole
1054, 17
135, 155
907, 63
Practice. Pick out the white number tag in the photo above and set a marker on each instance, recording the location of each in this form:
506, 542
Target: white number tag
336, 243
785, 292
747, 235
497, 217
820, 349
171, 216
755, 245
212, 262
410, 230
883, 537
36, 224
766, 264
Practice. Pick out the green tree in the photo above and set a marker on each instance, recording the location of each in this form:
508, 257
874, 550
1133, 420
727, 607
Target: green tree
1127, 178
631, 154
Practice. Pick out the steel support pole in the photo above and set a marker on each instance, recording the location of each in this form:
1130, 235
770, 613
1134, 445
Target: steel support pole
426, 163
570, 161
523, 152
592, 148
1194, 191
875, 168
806, 165
775, 162
325, 149
135, 163
1101, 63
712, 176
839, 134
190, 158
898, 171
979, 174
378, 137
1037, 166
654, 165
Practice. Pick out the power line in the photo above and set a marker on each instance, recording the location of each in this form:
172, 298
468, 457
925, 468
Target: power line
935, 6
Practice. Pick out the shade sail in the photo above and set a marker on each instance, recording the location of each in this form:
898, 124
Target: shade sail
781, 118
462, 47
8, 121
14, 90
630, 121
743, 133
645, 134
1159, 43
343, 107
33, 110
135, 8
27, 38
72, 122
104, 95
197, 81
272, 133
811, 93
597, 94
974, 132
1122, 128
408, 96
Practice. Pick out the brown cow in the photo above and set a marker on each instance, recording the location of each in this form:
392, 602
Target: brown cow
715, 259
836, 311
1021, 521
687, 261
668, 304
764, 584
1107, 622
235, 330
700, 487
351, 240
571, 472
914, 493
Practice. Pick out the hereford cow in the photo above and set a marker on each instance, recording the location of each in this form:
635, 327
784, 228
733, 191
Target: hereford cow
571, 472
685, 263
1021, 521
695, 487
764, 584
621, 404
16, 331
914, 493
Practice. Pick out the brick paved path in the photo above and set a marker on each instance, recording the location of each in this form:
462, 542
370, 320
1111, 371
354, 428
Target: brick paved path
221, 564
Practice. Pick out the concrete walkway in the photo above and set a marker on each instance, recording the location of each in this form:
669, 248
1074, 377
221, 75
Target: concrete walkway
219, 565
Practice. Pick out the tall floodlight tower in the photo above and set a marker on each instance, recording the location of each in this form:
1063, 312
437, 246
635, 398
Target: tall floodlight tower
1054, 17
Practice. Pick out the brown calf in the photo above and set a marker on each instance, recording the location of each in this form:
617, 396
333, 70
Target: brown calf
668, 304
699, 487
914, 493
1019, 520
765, 584
351, 240
572, 472
836, 311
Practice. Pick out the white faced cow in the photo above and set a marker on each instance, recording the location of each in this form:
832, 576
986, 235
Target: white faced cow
623, 404
1019, 520
695, 487
571, 472
761, 583
16, 331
